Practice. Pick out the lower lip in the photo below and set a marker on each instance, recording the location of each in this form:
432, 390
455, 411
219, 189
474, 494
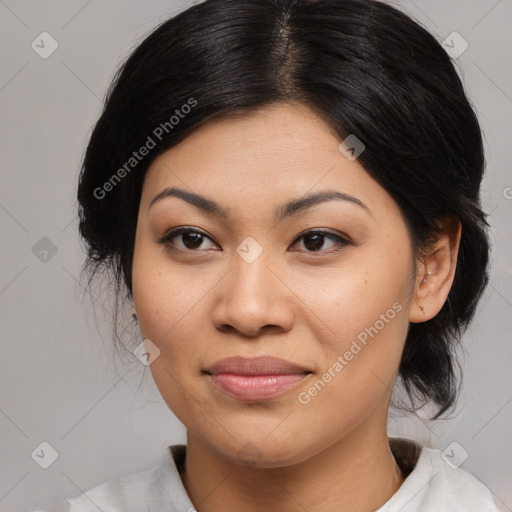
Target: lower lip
255, 387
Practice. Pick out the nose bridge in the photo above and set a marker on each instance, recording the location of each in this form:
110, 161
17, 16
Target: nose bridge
252, 296
251, 274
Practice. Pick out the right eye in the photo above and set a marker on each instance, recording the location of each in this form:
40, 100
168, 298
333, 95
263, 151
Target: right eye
191, 239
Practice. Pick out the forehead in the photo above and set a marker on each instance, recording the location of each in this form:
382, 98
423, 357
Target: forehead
262, 158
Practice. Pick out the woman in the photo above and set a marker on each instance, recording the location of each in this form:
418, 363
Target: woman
287, 191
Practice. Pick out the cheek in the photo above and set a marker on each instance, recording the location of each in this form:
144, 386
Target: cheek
169, 304
362, 297
361, 350
362, 323
368, 322
173, 306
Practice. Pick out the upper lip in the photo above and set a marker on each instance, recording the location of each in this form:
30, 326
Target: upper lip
262, 365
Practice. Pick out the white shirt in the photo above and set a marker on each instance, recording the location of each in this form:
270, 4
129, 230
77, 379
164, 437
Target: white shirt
431, 485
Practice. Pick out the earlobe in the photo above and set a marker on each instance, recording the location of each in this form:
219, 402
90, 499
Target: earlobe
435, 277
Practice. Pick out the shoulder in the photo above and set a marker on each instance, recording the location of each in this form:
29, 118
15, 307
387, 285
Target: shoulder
436, 484
129, 493
460, 489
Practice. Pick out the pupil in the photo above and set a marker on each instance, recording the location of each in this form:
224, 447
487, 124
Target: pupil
194, 238
317, 244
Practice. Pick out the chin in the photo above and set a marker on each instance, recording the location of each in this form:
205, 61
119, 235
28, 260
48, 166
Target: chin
250, 448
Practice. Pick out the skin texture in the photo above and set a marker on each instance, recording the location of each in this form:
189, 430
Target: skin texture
294, 302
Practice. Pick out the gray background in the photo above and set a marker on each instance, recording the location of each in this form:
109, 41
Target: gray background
59, 380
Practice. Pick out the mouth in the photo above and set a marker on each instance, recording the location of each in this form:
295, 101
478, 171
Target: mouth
255, 379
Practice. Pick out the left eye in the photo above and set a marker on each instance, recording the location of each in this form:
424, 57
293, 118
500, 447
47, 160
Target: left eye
192, 239
314, 240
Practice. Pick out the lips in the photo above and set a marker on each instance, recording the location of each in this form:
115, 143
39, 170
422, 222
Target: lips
257, 378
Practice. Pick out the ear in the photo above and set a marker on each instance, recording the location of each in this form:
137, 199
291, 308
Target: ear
436, 272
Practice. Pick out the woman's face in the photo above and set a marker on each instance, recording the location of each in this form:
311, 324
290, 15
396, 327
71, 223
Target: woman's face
250, 283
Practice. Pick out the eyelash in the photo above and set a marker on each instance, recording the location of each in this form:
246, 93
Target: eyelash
169, 235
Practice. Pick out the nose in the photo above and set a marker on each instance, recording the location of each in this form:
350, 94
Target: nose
254, 299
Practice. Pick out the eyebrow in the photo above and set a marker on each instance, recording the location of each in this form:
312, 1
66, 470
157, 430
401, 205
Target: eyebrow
281, 212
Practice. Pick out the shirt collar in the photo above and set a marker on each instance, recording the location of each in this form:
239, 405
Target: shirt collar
166, 490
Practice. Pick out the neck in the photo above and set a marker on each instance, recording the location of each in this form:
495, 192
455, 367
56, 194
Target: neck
357, 473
